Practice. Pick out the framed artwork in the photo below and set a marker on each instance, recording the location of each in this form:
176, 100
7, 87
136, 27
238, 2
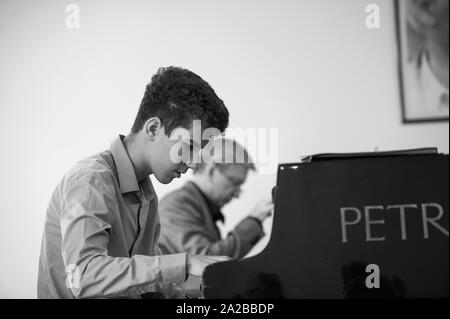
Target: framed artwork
422, 39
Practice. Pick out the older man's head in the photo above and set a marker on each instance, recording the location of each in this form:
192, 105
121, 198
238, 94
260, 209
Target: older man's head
223, 169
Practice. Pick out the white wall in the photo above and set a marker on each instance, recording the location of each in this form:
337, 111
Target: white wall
309, 68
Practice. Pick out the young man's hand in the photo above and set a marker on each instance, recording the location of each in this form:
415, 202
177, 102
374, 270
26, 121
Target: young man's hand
196, 264
262, 210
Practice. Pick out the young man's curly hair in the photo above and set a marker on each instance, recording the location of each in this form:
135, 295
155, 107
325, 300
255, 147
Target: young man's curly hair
178, 96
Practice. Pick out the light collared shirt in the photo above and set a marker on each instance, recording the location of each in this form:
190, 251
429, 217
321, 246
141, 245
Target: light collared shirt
426, 96
101, 232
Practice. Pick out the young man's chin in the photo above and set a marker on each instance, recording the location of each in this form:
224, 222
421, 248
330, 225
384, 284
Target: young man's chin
166, 180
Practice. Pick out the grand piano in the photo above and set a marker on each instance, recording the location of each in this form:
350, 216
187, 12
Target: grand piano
365, 225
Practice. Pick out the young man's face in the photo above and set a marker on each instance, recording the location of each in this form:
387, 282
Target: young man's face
176, 153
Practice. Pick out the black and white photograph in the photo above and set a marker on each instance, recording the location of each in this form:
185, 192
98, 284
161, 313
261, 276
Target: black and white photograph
423, 45
222, 157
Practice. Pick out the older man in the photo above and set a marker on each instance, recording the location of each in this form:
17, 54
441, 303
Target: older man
189, 215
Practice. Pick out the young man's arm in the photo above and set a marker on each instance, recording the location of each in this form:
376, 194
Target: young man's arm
88, 210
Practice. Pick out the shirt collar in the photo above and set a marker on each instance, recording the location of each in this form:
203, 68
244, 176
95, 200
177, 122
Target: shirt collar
434, 91
125, 170
213, 208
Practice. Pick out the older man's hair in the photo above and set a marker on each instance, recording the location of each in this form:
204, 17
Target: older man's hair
224, 152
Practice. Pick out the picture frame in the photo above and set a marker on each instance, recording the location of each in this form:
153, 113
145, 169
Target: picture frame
424, 97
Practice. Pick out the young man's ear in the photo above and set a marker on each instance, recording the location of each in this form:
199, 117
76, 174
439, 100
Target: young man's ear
153, 127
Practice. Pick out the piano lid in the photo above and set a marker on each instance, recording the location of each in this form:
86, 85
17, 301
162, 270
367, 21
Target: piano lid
342, 228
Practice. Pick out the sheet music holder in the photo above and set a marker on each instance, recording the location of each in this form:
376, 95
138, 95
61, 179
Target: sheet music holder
334, 156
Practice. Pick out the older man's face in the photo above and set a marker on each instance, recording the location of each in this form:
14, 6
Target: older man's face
227, 184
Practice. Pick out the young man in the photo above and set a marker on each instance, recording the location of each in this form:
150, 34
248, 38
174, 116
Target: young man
189, 214
102, 223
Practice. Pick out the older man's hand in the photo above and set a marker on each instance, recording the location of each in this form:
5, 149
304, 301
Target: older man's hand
262, 210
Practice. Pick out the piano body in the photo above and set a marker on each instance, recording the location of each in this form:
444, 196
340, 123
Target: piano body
361, 226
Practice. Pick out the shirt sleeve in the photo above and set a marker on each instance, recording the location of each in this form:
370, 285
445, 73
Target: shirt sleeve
88, 209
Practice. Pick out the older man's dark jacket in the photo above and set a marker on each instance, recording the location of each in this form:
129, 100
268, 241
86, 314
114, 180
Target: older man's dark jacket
188, 224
